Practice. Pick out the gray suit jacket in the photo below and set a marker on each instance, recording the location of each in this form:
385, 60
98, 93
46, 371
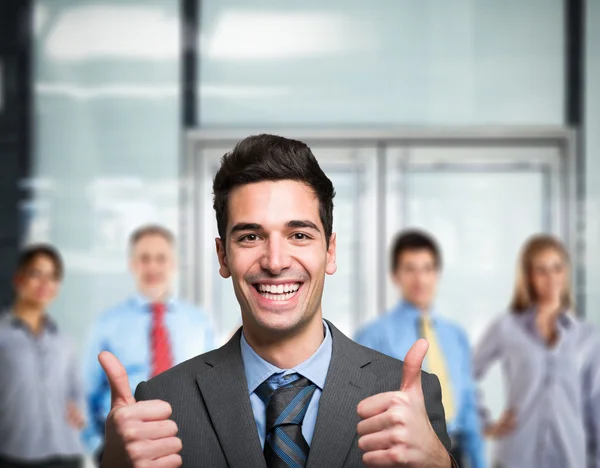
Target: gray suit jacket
211, 405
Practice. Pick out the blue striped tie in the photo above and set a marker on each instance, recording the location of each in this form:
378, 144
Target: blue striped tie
285, 446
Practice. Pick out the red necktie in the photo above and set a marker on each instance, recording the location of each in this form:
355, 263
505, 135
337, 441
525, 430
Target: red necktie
160, 345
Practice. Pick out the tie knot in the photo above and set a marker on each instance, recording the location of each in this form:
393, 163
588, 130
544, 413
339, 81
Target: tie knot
158, 309
288, 403
426, 321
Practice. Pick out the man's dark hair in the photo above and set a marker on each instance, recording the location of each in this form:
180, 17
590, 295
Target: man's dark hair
264, 157
30, 253
414, 239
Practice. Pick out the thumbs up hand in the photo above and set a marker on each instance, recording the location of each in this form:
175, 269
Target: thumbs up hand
138, 434
395, 430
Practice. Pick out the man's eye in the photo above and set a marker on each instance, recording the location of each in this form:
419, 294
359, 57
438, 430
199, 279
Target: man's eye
300, 236
248, 238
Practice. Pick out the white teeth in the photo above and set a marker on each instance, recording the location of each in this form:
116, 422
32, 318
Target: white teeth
278, 289
278, 297
278, 292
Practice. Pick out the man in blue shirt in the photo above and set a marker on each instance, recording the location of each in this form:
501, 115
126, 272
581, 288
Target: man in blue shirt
149, 332
415, 266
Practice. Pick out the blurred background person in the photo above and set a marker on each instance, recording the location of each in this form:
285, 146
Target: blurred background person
551, 365
149, 332
415, 266
41, 398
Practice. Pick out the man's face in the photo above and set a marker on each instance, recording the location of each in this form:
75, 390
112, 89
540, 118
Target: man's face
276, 255
38, 283
153, 265
417, 276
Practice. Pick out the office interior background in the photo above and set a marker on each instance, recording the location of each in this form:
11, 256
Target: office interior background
476, 120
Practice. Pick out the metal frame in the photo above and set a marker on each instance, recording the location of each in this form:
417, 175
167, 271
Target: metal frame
501, 168
409, 136
563, 139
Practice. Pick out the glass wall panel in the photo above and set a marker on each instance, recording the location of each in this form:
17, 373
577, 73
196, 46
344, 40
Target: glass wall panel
106, 140
381, 62
592, 162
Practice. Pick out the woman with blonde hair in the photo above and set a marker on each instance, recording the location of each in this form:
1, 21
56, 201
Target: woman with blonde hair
551, 366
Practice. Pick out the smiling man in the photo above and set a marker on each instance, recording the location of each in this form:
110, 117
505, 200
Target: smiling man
288, 390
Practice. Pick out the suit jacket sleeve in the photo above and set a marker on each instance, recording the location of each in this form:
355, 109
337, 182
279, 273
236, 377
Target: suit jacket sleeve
140, 392
432, 391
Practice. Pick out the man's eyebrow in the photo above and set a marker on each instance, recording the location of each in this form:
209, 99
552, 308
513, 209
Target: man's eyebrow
245, 227
302, 224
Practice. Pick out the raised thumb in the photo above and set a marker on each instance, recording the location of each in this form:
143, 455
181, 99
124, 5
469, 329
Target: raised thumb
411, 370
120, 392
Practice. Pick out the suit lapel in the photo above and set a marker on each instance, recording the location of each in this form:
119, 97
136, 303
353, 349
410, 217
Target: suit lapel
346, 385
225, 392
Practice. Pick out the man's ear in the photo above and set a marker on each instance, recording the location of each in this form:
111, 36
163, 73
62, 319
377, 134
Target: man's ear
331, 266
394, 278
222, 256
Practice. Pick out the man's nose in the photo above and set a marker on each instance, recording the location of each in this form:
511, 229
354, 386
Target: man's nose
276, 257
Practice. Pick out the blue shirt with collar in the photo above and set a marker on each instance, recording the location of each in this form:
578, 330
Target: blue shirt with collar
124, 330
395, 332
258, 370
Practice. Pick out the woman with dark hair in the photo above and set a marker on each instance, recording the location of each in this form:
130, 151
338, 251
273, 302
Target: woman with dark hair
551, 365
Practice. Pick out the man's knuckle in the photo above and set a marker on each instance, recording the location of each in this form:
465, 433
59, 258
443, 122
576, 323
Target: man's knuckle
129, 433
179, 445
398, 455
396, 416
120, 416
398, 399
134, 452
175, 444
171, 427
165, 406
397, 436
175, 462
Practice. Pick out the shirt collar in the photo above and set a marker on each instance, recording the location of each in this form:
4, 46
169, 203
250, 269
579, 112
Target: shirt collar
49, 324
143, 302
406, 309
315, 368
565, 320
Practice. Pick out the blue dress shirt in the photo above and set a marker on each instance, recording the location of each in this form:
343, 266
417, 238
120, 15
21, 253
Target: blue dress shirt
124, 330
314, 369
394, 334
